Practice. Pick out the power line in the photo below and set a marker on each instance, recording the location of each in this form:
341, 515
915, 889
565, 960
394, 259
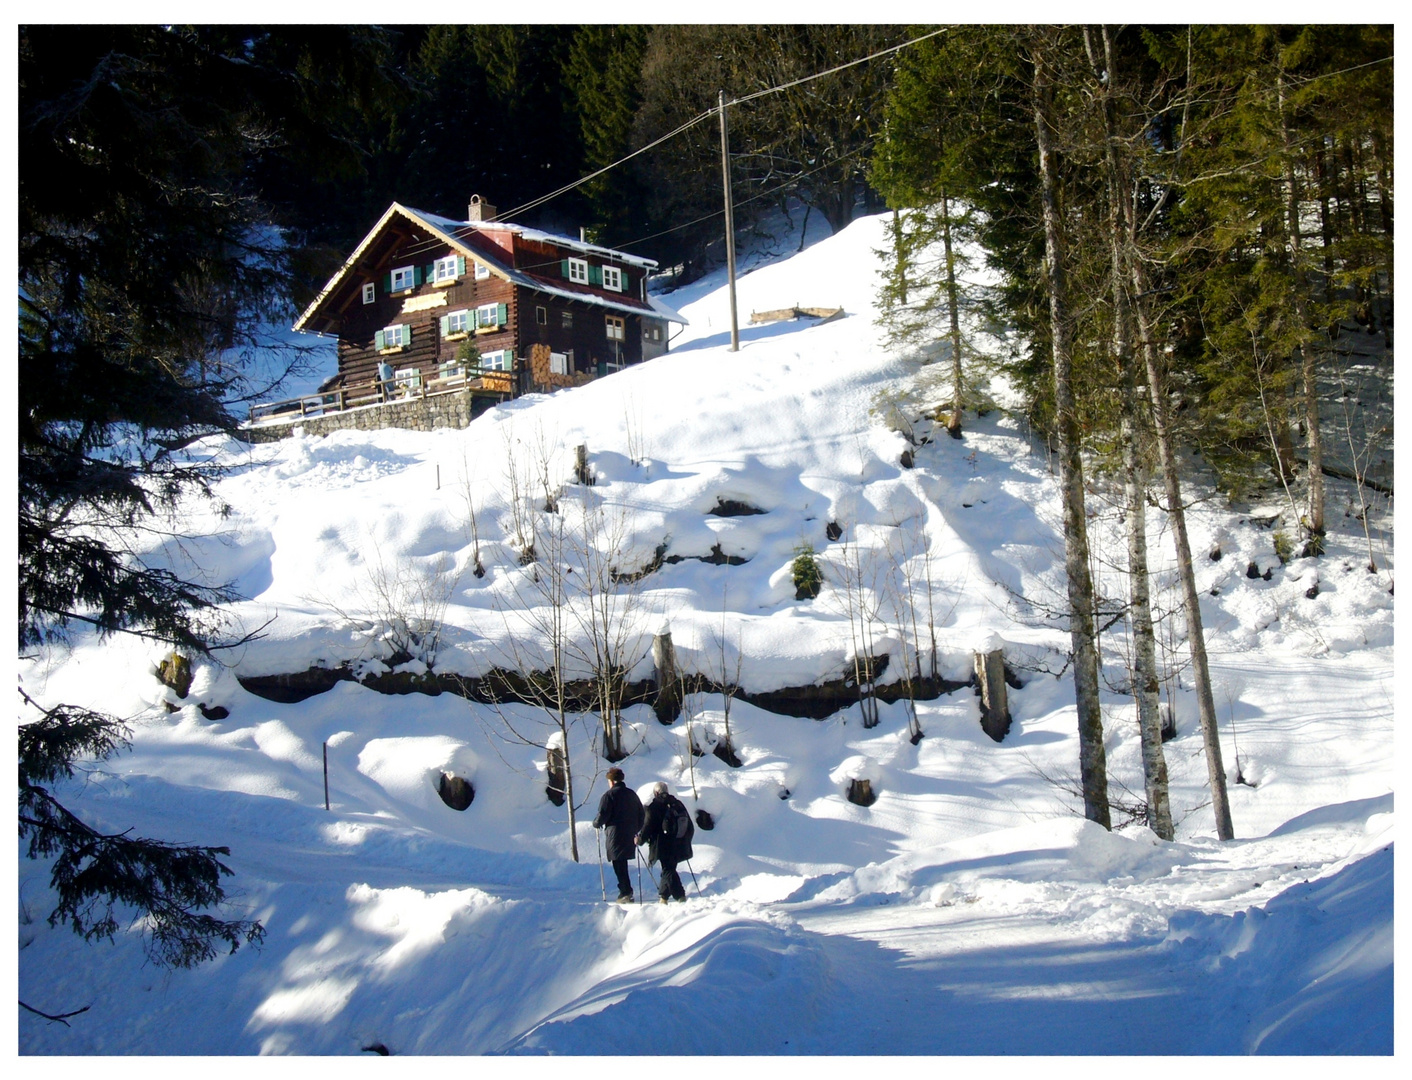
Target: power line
758, 195
841, 67
593, 175
707, 114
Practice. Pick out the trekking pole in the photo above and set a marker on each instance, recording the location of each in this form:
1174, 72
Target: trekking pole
603, 888
653, 877
693, 878
639, 874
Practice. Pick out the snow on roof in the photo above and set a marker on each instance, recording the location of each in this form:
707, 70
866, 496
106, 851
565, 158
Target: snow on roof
666, 311
450, 224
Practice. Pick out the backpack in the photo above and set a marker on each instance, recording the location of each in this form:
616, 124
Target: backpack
676, 822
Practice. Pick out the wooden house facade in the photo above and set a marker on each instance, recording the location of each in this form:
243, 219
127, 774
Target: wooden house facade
426, 301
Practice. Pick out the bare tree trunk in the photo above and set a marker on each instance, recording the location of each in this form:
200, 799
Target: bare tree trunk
953, 427
900, 249
1092, 759
1191, 600
1314, 523
1144, 676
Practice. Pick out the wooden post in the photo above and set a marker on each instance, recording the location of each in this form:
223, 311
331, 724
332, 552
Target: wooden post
667, 705
558, 776
990, 678
581, 465
325, 776
730, 219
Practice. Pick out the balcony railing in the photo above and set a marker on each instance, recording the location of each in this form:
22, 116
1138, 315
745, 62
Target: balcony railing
450, 378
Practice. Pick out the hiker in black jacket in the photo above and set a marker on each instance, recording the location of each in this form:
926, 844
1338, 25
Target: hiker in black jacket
620, 810
663, 844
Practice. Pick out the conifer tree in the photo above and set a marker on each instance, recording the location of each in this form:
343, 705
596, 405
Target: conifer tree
150, 268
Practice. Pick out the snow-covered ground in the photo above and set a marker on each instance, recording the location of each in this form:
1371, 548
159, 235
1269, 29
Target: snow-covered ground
970, 910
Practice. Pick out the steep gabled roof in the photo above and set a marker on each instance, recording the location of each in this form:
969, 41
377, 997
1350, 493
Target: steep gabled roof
460, 236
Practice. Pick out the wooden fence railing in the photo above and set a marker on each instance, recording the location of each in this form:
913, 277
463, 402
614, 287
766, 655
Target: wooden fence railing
405, 388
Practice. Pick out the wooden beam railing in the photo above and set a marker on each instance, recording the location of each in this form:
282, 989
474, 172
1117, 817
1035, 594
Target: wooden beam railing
454, 377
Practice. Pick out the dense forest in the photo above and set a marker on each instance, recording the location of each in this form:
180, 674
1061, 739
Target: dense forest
1187, 224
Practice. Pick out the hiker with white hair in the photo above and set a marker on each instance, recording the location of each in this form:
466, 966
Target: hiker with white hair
667, 830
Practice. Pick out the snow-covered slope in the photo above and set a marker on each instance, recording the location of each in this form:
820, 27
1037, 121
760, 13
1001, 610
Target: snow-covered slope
969, 893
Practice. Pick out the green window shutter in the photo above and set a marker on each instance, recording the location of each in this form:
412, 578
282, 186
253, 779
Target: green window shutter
418, 275
378, 341
445, 325
387, 282
564, 267
627, 282
595, 275
502, 314
406, 334
460, 265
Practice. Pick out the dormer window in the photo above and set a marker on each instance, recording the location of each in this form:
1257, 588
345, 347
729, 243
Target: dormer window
482, 272
578, 271
370, 293
448, 269
613, 278
404, 277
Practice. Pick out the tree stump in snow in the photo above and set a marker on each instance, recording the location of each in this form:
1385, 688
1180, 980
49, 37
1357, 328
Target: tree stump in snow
558, 780
456, 791
704, 820
175, 671
726, 752
667, 704
1169, 723
581, 473
990, 681
861, 792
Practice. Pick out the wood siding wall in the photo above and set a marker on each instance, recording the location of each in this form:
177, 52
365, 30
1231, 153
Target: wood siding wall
358, 356
587, 337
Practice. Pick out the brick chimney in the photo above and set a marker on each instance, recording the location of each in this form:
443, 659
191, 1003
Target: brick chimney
480, 210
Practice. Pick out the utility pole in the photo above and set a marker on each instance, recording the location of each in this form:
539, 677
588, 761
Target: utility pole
730, 219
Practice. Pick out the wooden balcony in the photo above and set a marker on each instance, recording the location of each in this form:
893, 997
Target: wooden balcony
408, 386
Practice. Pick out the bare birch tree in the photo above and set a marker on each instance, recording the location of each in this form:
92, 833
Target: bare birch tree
1092, 758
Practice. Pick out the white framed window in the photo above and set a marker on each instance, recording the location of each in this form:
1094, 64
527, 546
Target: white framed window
404, 277
613, 278
615, 329
447, 269
500, 360
558, 363
408, 378
578, 271
541, 316
394, 337
370, 292
457, 322
482, 272
567, 320
652, 333
490, 316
